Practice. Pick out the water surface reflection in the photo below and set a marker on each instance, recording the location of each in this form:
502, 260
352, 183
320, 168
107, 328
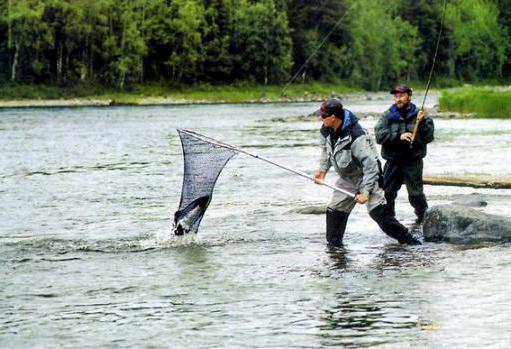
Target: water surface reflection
88, 258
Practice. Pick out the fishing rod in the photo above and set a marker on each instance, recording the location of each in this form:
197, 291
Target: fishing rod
240, 150
416, 126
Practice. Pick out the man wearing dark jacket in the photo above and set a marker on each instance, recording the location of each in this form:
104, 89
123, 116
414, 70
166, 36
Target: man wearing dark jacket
394, 131
347, 148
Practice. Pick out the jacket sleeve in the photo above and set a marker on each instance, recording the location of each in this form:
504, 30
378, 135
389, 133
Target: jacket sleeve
427, 130
383, 133
324, 160
361, 150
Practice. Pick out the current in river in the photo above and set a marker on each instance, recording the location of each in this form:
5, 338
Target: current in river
88, 258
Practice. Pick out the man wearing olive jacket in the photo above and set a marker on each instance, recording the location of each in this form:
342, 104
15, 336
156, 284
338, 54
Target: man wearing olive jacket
394, 131
347, 148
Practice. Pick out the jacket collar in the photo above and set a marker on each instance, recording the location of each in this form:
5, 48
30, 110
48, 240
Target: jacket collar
349, 120
395, 114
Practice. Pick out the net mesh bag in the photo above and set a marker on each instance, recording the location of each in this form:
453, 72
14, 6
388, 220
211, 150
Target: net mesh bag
203, 162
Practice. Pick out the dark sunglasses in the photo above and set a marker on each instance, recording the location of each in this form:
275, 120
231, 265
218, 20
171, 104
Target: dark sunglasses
325, 116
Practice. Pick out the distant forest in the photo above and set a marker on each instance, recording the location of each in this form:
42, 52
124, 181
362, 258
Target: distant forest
368, 43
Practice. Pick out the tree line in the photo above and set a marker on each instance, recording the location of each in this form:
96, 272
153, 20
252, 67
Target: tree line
370, 43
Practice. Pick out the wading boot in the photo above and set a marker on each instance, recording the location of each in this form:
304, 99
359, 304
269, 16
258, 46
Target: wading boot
392, 227
420, 217
335, 226
409, 239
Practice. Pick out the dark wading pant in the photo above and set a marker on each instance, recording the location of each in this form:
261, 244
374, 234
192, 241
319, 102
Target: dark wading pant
340, 208
394, 175
336, 226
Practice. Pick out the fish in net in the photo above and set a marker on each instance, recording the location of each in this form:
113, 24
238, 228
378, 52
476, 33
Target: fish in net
203, 162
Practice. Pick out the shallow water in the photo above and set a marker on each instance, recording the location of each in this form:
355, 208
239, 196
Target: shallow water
88, 259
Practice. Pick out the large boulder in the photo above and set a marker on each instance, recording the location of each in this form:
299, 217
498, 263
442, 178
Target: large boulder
461, 225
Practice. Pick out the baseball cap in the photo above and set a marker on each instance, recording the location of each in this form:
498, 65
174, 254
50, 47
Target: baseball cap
332, 106
401, 88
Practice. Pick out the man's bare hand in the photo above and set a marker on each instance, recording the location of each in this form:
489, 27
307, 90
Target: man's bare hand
319, 177
361, 198
407, 136
420, 116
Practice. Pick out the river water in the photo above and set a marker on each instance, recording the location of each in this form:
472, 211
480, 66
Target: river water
88, 259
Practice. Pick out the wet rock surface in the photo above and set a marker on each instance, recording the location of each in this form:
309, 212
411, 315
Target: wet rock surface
471, 200
460, 225
313, 209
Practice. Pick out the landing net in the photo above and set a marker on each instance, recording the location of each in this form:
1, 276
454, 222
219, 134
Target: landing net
203, 162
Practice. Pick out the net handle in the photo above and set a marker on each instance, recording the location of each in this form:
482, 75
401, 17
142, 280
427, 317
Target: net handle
284, 167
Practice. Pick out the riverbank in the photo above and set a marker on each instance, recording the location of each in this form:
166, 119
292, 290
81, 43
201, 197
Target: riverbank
53, 96
213, 95
26, 96
434, 112
480, 102
461, 102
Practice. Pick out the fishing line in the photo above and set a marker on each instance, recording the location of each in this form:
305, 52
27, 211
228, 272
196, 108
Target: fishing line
436, 54
416, 126
317, 48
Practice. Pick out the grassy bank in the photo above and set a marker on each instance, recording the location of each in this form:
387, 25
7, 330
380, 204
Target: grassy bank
483, 102
199, 93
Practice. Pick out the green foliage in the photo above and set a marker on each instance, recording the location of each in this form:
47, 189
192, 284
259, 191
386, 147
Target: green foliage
187, 18
481, 42
261, 41
125, 47
216, 36
426, 16
504, 7
175, 39
30, 37
383, 46
484, 102
321, 37
368, 43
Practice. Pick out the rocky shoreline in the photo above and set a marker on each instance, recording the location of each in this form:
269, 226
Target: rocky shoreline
49, 103
167, 100
147, 101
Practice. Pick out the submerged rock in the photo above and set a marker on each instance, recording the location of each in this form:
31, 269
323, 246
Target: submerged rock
319, 209
472, 203
471, 200
461, 225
